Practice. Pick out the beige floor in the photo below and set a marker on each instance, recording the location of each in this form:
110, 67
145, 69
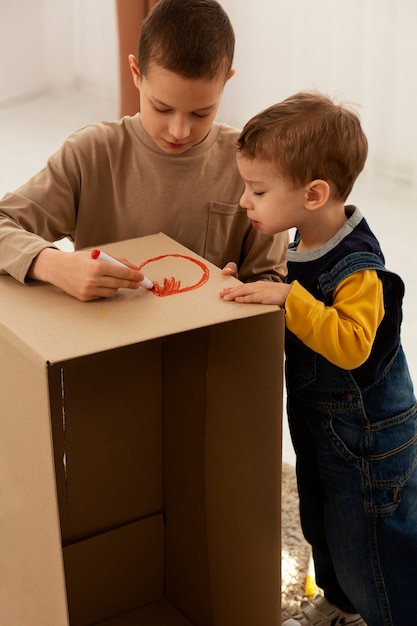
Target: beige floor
30, 131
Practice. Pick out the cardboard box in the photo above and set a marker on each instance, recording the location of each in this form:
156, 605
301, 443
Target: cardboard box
140, 452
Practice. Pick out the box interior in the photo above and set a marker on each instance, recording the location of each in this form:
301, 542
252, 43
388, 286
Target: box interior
153, 512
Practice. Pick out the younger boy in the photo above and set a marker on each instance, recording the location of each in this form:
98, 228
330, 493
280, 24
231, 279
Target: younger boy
351, 405
171, 169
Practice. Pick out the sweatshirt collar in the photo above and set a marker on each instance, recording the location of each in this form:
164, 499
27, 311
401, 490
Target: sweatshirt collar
203, 146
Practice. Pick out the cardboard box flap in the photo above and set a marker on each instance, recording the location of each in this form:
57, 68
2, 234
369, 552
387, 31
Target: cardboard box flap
58, 327
116, 572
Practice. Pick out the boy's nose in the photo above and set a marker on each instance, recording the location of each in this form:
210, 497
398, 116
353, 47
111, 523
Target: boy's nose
179, 128
244, 200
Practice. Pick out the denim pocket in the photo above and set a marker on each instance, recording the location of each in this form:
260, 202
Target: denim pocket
392, 459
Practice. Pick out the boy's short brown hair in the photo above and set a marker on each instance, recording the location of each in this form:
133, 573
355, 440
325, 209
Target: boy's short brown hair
307, 137
193, 38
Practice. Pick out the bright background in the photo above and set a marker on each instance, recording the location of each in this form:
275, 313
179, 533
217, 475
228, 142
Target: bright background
59, 71
363, 51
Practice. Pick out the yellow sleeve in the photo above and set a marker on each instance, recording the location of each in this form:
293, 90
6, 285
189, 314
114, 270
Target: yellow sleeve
345, 331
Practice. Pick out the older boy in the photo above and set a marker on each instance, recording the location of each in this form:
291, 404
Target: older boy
351, 405
171, 169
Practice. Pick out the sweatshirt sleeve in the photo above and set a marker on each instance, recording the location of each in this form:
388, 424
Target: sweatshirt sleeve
345, 331
39, 213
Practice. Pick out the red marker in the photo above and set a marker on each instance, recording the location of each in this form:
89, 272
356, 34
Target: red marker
99, 254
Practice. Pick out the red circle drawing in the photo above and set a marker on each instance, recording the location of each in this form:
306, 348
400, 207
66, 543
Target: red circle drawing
171, 285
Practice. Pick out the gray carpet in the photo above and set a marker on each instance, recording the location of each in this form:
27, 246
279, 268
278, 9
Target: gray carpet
295, 549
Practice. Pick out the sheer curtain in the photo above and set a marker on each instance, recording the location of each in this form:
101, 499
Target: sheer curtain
362, 51
390, 88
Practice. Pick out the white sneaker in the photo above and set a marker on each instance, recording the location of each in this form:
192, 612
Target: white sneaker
321, 613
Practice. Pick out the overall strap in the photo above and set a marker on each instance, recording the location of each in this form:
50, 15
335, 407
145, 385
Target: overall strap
354, 262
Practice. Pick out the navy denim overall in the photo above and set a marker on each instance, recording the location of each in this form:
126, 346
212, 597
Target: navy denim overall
356, 447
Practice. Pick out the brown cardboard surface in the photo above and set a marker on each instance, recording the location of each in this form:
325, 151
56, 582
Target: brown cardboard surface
139, 430
243, 469
185, 475
222, 493
80, 328
156, 614
32, 589
115, 572
106, 415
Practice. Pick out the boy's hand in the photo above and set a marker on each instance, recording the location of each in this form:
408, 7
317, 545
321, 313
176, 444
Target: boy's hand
230, 269
260, 292
80, 276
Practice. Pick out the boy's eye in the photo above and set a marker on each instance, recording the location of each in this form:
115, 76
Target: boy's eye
199, 115
258, 193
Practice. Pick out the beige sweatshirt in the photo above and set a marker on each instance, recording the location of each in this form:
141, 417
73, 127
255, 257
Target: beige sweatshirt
110, 182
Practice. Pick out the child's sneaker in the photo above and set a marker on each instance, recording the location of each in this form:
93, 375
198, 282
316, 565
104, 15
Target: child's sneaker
321, 613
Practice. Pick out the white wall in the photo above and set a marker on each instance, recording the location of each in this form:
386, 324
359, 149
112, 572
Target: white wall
56, 45
21, 48
96, 51
363, 51
283, 46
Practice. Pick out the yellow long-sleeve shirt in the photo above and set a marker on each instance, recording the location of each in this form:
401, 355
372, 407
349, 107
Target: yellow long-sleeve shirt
345, 331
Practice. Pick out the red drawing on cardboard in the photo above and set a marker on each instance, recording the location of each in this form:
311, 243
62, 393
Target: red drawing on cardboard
172, 285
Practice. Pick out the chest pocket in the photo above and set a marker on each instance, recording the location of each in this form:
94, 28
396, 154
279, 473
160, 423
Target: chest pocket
227, 229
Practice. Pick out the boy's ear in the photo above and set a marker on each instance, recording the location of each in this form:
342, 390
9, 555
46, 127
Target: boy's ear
134, 68
231, 74
317, 193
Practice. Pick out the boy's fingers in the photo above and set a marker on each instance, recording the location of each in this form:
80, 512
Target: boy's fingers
230, 269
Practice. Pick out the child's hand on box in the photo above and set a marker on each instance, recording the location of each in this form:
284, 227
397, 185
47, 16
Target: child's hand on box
260, 292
